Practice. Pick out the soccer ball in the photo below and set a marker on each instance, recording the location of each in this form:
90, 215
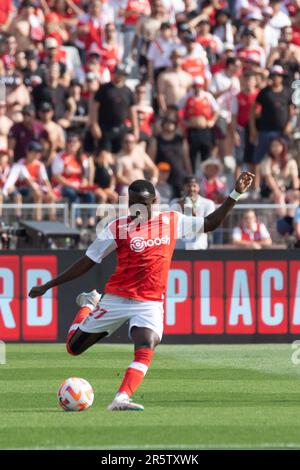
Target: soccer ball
75, 394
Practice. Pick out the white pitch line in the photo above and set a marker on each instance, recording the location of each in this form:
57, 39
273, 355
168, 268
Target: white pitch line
273, 445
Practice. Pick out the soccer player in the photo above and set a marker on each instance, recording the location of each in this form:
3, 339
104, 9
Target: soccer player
144, 242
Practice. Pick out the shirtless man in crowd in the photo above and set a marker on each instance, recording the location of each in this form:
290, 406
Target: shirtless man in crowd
134, 163
174, 83
55, 131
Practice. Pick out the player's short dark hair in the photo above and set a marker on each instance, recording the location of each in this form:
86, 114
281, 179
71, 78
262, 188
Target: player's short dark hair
165, 25
231, 61
249, 73
190, 179
142, 186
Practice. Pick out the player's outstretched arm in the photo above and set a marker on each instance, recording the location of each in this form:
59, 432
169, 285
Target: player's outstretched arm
77, 269
213, 220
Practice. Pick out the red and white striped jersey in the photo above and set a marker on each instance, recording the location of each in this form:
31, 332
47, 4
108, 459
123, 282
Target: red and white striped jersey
204, 105
22, 171
144, 252
253, 53
258, 233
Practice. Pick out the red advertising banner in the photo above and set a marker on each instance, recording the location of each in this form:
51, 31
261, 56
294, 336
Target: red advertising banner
226, 299
178, 304
9, 298
272, 297
39, 318
209, 297
294, 307
240, 297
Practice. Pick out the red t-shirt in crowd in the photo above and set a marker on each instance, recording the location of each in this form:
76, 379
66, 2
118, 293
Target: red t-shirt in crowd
145, 118
218, 67
250, 54
209, 42
93, 36
109, 57
6, 7
214, 189
134, 9
60, 56
244, 103
296, 35
194, 66
197, 106
68, 166
9, 61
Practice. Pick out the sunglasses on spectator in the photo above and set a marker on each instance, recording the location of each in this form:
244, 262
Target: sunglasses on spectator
129, 141
169, 121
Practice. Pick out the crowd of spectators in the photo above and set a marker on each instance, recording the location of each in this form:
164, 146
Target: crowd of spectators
185, 93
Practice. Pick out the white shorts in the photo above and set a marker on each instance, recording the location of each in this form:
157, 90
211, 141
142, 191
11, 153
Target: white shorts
113, 311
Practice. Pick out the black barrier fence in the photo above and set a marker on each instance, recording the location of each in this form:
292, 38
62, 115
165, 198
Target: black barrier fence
225, 296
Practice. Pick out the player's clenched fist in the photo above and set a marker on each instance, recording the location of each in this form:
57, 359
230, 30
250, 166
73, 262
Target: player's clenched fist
244, 181
37, 291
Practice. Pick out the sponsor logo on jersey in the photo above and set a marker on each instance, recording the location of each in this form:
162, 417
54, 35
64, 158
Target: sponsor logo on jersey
139, 244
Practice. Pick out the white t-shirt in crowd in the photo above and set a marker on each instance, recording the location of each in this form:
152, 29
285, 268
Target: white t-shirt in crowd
159, 52
173, 7
276, 23
204, 207
220, 82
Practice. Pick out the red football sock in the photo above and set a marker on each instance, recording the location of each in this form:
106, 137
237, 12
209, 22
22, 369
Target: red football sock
136, 371
80, 316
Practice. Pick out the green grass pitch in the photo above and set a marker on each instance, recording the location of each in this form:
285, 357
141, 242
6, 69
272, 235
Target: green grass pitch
195, 397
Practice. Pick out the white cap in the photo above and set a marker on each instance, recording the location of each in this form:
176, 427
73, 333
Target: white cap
91, 76
212, 161
268, 11
199, 81
50, 43
277, 70
255, 15
228, 46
